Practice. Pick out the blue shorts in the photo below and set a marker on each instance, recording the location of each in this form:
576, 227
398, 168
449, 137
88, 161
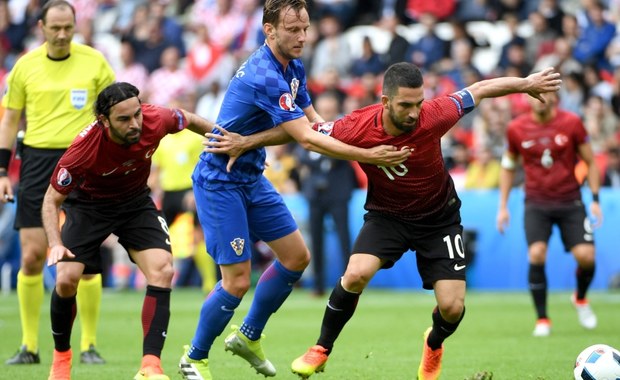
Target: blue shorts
233, 219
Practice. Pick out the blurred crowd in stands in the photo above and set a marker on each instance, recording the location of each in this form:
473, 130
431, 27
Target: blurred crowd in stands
183, 52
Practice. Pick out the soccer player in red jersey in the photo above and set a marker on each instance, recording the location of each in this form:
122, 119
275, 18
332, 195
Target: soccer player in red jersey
101, 183
550, 142
412, 206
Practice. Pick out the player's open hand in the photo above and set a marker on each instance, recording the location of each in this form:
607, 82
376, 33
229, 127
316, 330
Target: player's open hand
503, 220
544, 81
225, 142
596, 215
57, 253
6, 191
387, 155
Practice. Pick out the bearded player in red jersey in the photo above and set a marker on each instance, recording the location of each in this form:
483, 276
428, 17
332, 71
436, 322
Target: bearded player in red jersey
412, 206
101, 183
550, 142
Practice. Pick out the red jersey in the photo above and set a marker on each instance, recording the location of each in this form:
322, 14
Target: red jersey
420, 187
100, 169
550, 153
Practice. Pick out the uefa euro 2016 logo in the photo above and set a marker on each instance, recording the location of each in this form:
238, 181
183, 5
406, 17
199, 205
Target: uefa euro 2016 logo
287, 102
63, 178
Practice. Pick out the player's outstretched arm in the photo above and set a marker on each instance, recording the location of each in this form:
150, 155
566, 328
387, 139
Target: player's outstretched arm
50, 212
384, 155
547, 80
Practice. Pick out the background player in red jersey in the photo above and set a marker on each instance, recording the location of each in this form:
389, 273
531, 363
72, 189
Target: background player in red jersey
550, 142
106, 170
412, 206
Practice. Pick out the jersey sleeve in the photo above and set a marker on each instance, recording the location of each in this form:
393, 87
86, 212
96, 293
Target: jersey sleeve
444, 112
106, 75
303, 98
581, 135
68, 171
14, 91
512, 143
172, 119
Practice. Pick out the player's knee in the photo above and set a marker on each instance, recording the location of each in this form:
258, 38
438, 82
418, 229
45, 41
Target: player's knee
452, 311
239, 287
32, 263
356, 280
165, 274
66, 286
296, 262
585, 257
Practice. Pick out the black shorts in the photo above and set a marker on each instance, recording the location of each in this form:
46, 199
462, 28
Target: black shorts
571, 219
137, 223
440, 254
36, 170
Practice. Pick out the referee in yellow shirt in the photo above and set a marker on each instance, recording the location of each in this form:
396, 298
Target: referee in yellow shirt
56, 84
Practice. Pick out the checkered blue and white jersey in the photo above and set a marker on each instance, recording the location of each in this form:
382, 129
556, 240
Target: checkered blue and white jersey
261, 95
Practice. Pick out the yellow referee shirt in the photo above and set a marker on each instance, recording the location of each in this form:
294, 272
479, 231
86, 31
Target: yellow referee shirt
58, 95
176, 158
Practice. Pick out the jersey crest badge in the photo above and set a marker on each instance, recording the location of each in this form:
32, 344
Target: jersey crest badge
287, 102
237, 245
79, 98
561, 139
325, 127
294, 87
63, 178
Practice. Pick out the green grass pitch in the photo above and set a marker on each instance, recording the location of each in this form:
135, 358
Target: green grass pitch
382, 341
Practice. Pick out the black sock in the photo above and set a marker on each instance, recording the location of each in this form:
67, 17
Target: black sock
155, 318
62, 314
339, 310
538, 288
584, 279
441, 329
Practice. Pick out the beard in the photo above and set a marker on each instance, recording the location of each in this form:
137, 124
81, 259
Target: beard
406, 124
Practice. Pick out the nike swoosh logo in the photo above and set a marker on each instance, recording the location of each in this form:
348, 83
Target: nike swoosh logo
56, 333
108, 173
333, 308
458, 267
168, 241
224, 308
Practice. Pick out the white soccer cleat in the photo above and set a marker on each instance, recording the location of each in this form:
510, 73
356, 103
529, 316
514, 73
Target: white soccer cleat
543, 328
586, 316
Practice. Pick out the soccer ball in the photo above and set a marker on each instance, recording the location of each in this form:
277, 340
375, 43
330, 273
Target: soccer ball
598, 362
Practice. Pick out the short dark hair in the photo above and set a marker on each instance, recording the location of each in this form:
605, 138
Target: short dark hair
55, 4
402, 74
272, 9
112, 95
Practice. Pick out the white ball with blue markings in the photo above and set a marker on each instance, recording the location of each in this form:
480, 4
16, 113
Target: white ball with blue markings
598, 362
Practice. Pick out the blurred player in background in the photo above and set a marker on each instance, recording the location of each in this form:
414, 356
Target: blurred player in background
550, 142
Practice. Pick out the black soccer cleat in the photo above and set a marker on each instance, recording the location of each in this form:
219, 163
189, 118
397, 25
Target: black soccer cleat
23, 356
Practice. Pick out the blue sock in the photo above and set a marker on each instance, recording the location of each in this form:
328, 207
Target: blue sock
216, 312
272, 289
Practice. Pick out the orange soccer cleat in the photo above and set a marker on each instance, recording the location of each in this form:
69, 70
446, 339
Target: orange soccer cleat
430, 366
61, 365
